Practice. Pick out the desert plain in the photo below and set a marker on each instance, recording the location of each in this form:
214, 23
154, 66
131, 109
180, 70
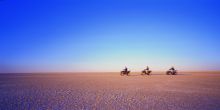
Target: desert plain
110, 91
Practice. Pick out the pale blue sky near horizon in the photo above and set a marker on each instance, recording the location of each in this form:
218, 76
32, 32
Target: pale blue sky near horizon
107, 35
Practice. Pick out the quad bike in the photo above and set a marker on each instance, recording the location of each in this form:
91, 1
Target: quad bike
171, 72
146, 72
124, 73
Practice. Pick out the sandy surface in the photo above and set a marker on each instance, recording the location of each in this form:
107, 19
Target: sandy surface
110, 91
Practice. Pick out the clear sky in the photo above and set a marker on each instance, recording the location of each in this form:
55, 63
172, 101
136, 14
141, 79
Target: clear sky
106, 35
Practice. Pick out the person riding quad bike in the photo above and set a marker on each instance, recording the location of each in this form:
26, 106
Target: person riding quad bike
171, 71
125, 72
146, 71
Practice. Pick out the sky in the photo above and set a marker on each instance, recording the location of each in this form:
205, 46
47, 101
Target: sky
107, 35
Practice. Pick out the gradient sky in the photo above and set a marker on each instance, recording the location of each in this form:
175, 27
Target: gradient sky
106, 35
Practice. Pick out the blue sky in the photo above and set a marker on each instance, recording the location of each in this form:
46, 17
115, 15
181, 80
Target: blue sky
106, 35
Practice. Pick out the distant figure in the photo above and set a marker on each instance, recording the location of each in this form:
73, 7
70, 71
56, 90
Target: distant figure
126, 69
125, 72
147, 68
172, 68
146, 71
171, 71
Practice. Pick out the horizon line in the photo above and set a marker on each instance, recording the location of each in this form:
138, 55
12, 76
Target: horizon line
58, 72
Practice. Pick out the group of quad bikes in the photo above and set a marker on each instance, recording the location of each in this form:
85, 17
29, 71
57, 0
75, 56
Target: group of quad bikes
146, 71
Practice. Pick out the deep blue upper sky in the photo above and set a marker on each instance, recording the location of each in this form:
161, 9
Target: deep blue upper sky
106, 35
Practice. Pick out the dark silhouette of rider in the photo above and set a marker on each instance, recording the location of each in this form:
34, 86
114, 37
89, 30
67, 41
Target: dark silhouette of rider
147, 68
172, 68
126, 69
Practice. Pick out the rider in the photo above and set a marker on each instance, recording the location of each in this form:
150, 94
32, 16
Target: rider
147, 68
172, 68
126, 69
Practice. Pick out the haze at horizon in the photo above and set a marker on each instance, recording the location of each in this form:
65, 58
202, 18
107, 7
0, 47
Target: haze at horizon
55, 35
